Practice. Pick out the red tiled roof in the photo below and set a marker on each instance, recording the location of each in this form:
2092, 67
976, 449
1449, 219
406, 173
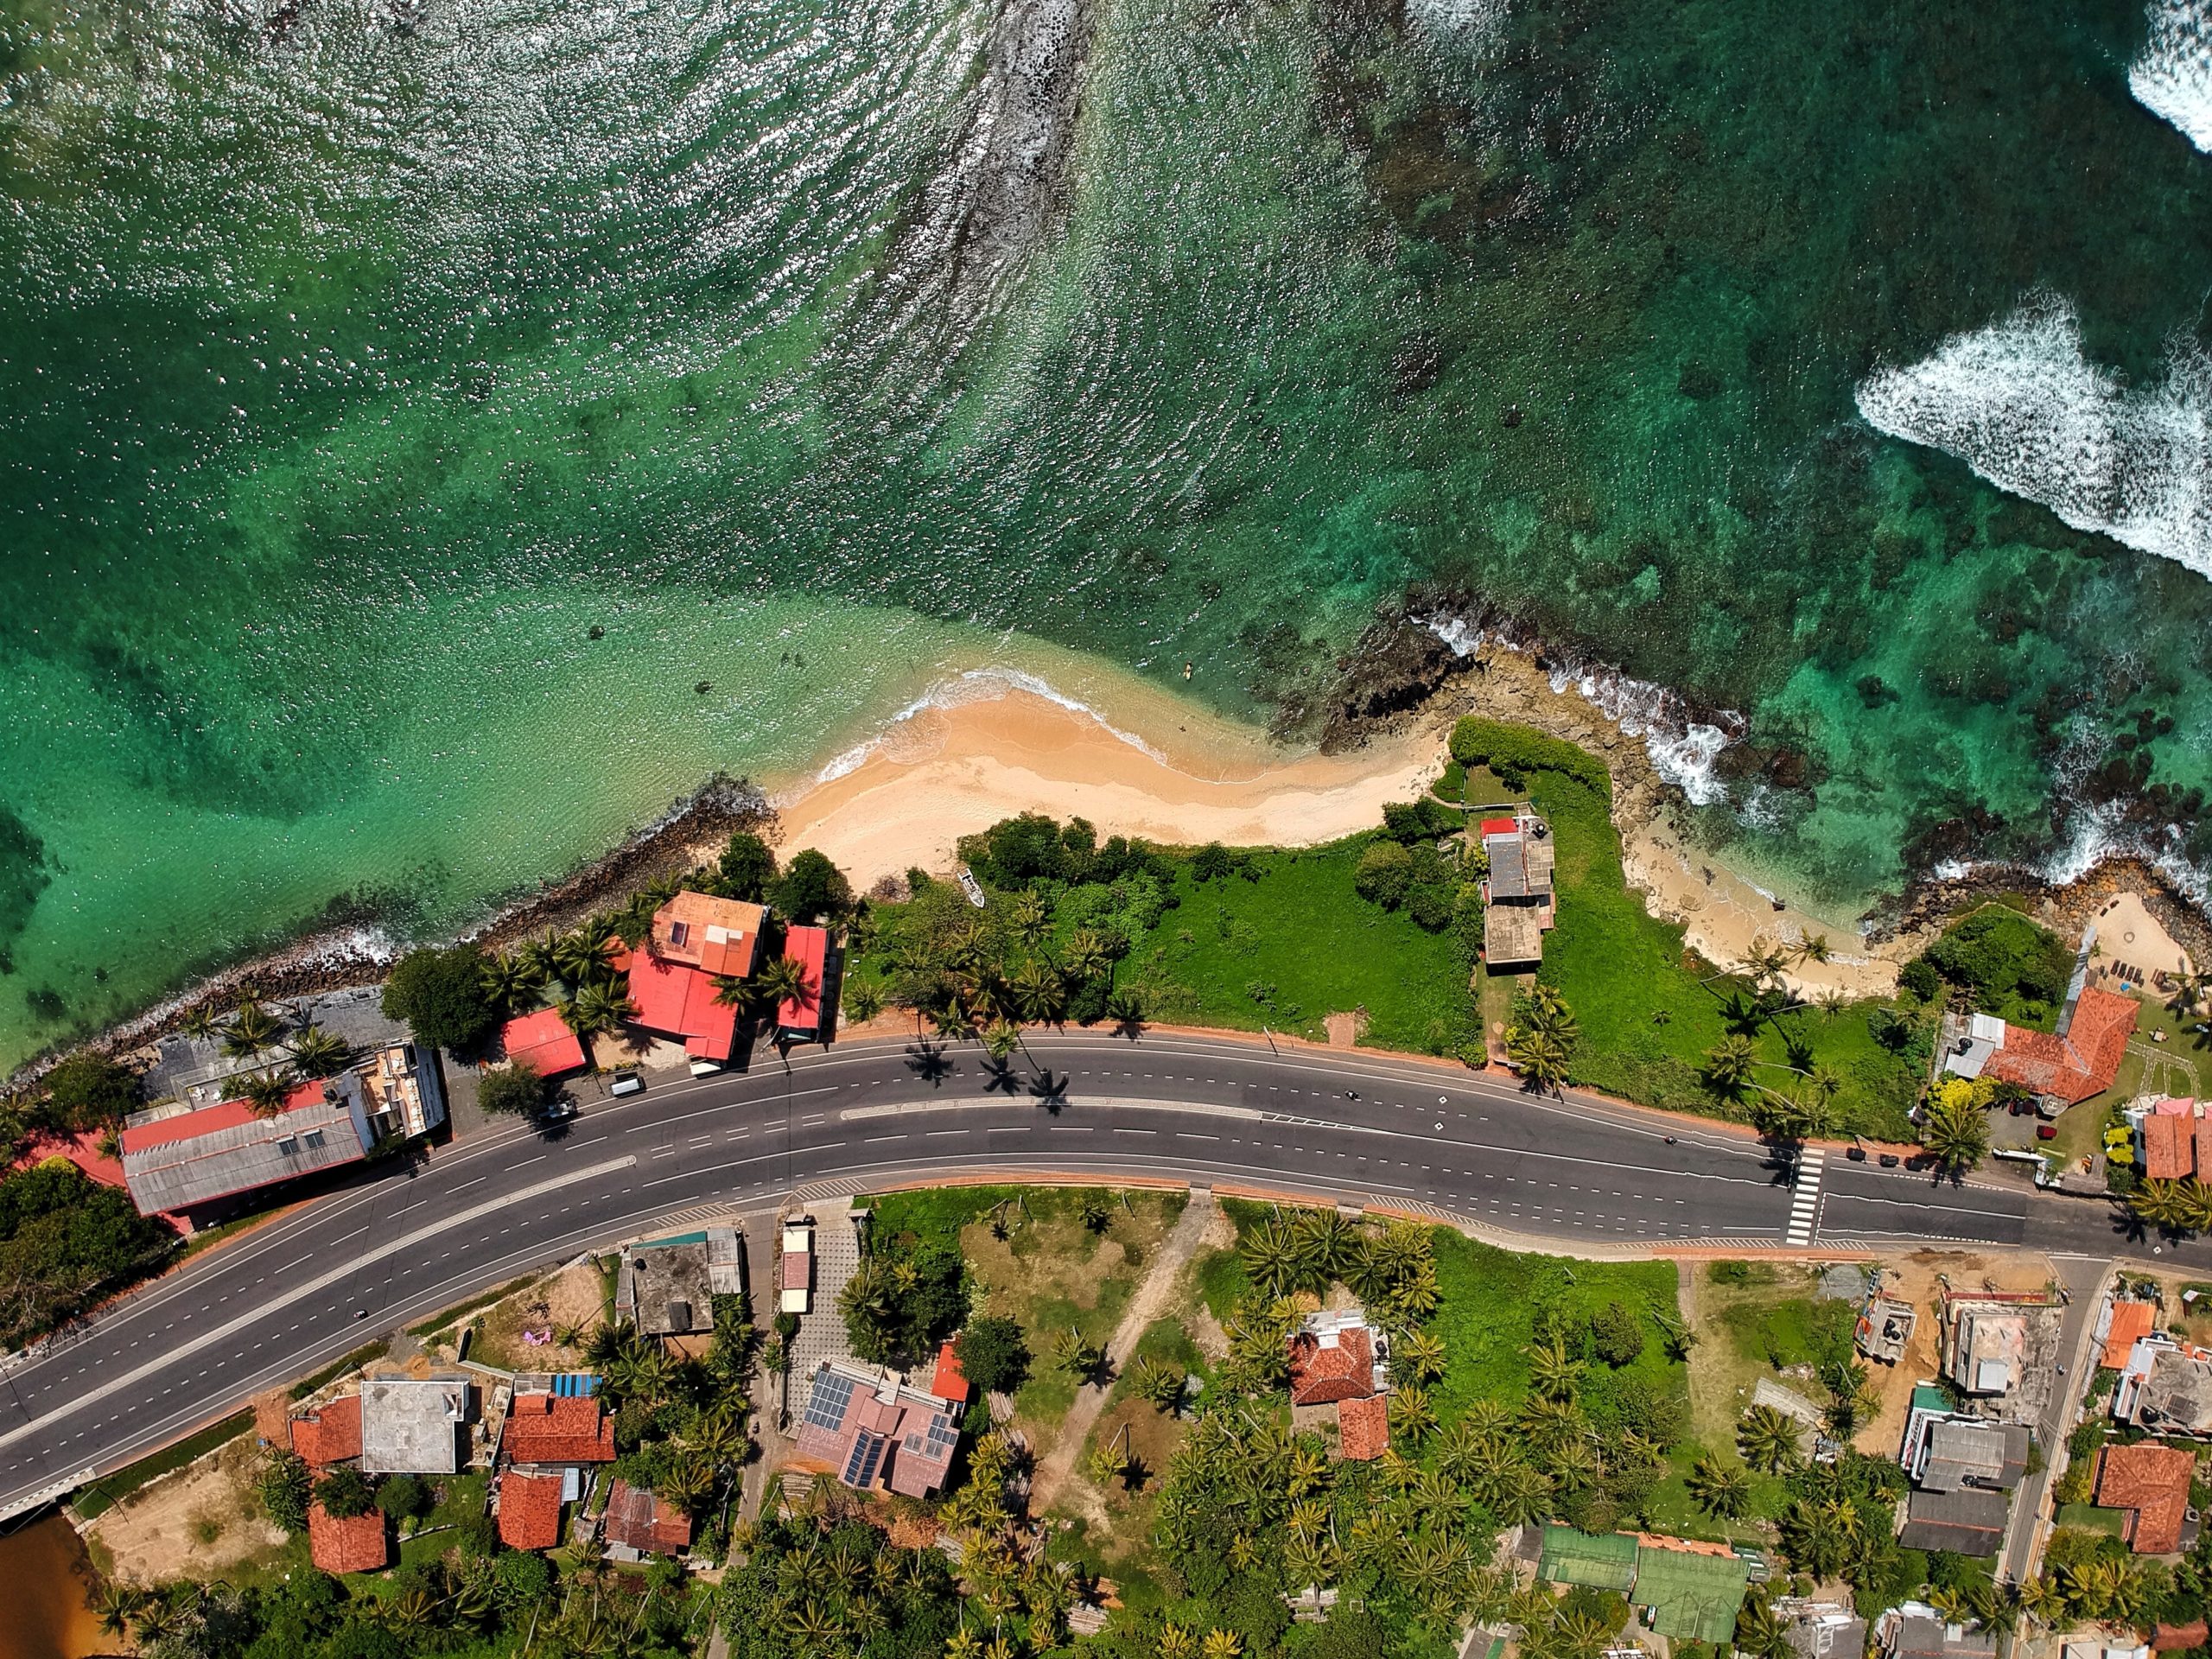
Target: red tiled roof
228, 1115
1344, 1370
2153, 1481
529, 1510
809, 948
948, 1382
2131, 1322
635, 1517
331, 1435
2204, 1148
2168, 1638
2168, 1147
718, 936
354, 1546
680, 1001
1363, 1428
543, 1042
2082, 1063
567, 1428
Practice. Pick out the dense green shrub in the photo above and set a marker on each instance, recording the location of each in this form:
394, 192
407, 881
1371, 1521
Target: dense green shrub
90, 1091
65, 1239
1384, 874
1514, 752
993, 1356
442, 996
811, 889
515, 1090
1997, 953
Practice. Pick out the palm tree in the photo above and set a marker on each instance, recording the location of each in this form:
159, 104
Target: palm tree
118, 1606
1037, 991
1761, 1632
686, 1485
200, 1023
1086, 954
252, 1030
1412, 1416
1418, 1355
1110, 1461
862, 1002
1553, 1373
1721, 1489
783, 980
1768, 1438
1221, 1644
597, 1010
1728, 1066
265, 1092
1547, 1012
1029, 919
1956, 1130
318, 1053
579, 957
1001, 1040
1126, 1009
1538, 1056
1159, 1385
963, 1644
2157, 1204
511, 980
540, 957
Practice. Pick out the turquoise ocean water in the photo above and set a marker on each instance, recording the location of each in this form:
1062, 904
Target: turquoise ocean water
1840, 367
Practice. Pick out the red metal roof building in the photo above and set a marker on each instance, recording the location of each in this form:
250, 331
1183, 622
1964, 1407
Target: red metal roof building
1363, 1428
2131, 1323
2080, 1063
558, 1428
635, 1518
331, 1435
1330, 1359
358, 1545
949, 1381
174, 1160
2152, 1481
2168, 1147
716, 936
802, 1015
529, 1510
680, 1001
868, 1431
543, 1042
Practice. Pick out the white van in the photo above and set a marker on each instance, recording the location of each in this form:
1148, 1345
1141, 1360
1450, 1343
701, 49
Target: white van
627, 1083
702, 1068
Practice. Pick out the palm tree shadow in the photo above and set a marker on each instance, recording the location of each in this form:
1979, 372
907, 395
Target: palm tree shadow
929, 1062
999, 1077
1050, 1091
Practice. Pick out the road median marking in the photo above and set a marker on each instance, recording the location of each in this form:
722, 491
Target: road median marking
167, 1362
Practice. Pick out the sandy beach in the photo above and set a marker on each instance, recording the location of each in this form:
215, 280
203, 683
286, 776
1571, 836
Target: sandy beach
1155, 766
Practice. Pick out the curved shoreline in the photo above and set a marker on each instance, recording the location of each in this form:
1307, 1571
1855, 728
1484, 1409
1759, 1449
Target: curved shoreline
996, 739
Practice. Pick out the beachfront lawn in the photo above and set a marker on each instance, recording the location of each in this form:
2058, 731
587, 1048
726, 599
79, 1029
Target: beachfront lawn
1647, 1018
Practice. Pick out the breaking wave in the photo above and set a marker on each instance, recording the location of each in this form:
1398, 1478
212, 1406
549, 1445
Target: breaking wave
2019, 403
2171, 77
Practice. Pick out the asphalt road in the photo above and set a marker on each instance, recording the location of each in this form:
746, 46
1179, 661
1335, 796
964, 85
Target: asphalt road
280, 1301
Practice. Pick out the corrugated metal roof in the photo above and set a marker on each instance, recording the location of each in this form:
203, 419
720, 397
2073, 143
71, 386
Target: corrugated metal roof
203, 1156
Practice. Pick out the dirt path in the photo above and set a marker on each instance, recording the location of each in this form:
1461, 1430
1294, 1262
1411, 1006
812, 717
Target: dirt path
1149, 1302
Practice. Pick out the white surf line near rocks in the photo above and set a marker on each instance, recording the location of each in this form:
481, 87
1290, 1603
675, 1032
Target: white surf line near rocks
2171, 77
2021, 405
170, 1358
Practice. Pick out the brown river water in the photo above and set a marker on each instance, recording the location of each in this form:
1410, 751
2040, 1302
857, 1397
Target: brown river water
43, 1572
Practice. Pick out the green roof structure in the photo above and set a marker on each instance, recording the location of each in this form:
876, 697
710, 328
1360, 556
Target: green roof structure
1603, 1562
1692, 1597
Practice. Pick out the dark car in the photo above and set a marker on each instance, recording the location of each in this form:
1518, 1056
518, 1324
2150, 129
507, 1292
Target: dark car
1857, 1155
2046, 1131
1889, 1160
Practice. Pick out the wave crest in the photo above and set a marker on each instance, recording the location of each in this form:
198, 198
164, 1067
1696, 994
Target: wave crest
2171, 77
2019, 403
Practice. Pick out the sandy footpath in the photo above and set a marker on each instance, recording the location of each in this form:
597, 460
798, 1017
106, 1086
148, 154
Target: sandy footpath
1156, 766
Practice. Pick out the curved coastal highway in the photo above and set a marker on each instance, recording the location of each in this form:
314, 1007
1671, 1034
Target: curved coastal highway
403, 1242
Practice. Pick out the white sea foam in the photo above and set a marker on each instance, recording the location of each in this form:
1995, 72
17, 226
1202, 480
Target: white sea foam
1469, 24
974, 685
1682, 750
2019, 403
2171, 77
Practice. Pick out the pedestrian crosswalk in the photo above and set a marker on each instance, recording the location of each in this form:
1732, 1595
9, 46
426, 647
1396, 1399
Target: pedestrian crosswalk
1805, 1199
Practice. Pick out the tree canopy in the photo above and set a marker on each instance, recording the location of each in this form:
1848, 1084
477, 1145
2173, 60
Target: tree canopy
442, 996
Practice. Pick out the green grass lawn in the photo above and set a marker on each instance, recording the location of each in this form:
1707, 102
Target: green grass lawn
1647, 1022
1295, 944
1488, 1311
1671, 1509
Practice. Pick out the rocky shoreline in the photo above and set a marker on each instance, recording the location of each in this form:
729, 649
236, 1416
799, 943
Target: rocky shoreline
345, 957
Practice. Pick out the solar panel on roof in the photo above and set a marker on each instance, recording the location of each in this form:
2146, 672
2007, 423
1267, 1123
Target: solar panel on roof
866, 1455
825, 1406
943, 1436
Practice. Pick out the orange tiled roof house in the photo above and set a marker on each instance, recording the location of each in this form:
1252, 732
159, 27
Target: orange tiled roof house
1338, 1358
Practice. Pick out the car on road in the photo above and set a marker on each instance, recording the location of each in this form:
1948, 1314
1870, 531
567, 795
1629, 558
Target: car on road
627, 1083
700, 1068
1889, 1160
558, 1111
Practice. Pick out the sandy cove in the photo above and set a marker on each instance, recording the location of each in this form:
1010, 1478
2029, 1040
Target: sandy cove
1171, 773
